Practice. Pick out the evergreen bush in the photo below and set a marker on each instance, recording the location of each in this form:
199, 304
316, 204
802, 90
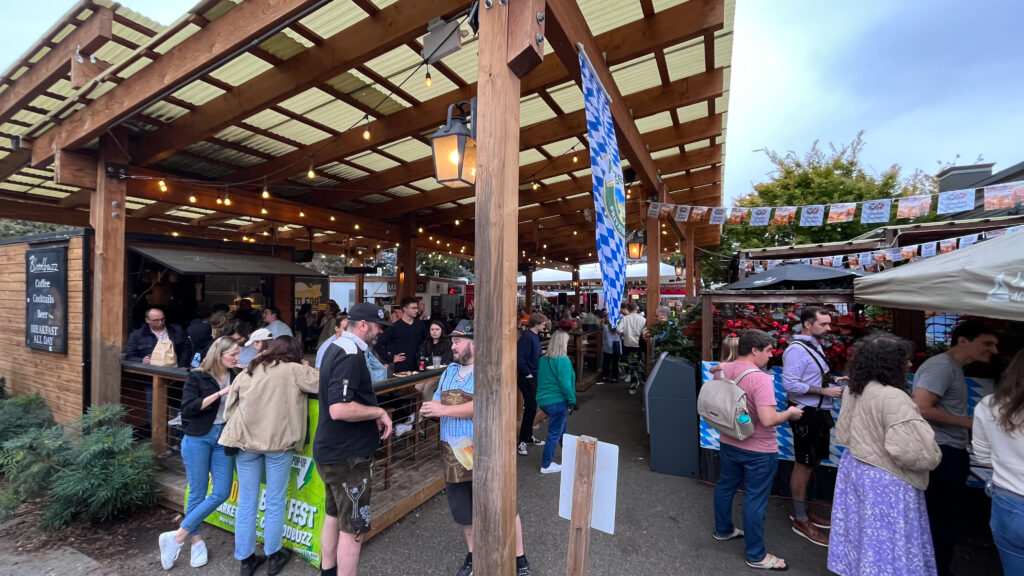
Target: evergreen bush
94, 471
22, 413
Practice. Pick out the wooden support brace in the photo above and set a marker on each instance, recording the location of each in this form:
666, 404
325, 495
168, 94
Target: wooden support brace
74, 169
582, 505
85, 70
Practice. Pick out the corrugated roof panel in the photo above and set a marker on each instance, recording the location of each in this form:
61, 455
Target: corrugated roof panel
131, 205
636, 75
426, 184
554, 179
581, 173
730, 14
333, 18
417, 87
343, 171
464, 62
266, 119
374, 199
726, 79
194, 166
408, 149
560, 147
686, 61
286, 44
243, 68
664, 153
337, 115
26, 117
198, 93
532, 110
142, 201
660, 5
656, 122
602, 16
696, 145
394, 62
723, 50
372, 161
305, 101
722, 103
46, 193
100, 90
7, 185
403, 191
383, 3
134, 67
267, 145
467, 201
173, 41
530, 156
112, 52
692, 112
215, 152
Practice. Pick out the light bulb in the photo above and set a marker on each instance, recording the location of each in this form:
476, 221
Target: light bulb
366, 133
302, 214
575, 159
192, 198
357, 226
266, 193
312, 173
163, 186
428, 80
536, 186
457, 222
332, 218
420, 230
219, 200
263, 211
175, 234
454, 157
227, 200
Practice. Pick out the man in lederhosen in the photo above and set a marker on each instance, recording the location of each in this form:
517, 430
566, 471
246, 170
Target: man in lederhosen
453, 404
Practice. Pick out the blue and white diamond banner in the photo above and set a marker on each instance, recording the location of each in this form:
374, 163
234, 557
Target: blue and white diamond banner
609, 192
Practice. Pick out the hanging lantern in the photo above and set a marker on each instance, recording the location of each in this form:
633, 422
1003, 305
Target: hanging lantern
454, 147
679, 270
636, 250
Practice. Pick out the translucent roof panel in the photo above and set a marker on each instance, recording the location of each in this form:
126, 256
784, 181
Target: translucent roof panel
636, 75
602, 16
685, 60
333, 18
533, 110
408, 149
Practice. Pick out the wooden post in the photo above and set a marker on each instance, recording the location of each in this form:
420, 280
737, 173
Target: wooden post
359, 287
707, 327
653, 266
576, 289
582, 505
107, 217
696, 275
528, 304
407, 260
502, 38
691, 264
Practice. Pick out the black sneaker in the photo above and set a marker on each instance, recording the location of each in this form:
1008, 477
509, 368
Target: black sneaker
250, 564
522, 566
467, 566
277, 560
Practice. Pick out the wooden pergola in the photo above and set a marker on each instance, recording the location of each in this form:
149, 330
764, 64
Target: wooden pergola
307, 123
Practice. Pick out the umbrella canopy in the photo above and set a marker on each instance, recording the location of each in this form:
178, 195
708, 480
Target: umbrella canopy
796, 275
636, 271
986, 279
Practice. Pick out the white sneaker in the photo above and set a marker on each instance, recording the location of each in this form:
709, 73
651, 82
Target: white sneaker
522, 449
552, 468
169, 550
199, 556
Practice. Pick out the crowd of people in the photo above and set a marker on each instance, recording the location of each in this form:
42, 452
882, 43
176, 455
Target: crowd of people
902, 478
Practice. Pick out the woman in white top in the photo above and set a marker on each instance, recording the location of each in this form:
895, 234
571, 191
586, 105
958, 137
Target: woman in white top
999, 441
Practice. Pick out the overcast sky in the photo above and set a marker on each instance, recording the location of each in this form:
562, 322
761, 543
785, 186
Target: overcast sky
925, 79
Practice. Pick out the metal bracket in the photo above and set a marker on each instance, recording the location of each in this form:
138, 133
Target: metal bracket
116, 171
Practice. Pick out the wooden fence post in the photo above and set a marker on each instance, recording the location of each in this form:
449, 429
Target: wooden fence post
582, 505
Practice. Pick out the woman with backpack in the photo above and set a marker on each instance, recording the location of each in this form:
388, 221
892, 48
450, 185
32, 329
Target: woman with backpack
556, 393
754, 459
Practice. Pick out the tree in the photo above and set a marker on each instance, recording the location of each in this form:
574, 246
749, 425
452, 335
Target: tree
443, 266
819, 177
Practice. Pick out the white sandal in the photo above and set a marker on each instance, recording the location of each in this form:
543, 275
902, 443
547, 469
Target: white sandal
736, 533
771, 562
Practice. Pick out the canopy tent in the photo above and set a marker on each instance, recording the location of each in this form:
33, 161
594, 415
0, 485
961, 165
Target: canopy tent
637, 271
986, 279
793, 276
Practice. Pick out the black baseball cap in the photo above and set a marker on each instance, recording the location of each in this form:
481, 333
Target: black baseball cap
369, 312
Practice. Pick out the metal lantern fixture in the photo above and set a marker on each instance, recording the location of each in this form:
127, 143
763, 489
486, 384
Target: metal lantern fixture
679, 270
454, 147
636, 250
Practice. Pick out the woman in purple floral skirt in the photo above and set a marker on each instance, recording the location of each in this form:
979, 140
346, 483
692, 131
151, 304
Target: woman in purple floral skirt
879, 517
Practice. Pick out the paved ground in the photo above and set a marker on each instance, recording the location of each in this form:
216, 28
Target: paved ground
663, 525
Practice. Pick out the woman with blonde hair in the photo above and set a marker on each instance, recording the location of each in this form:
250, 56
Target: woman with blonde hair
556, 394
999, 441
202, 409
267, 420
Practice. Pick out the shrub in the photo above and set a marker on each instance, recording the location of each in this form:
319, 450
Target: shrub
92, 472
3, 387
21, 413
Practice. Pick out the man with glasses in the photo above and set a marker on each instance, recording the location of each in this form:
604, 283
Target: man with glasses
144, 339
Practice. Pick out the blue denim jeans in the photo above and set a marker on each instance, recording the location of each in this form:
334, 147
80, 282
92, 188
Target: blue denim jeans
1007, 526
204, 457
558, 419
756, 470
253, 467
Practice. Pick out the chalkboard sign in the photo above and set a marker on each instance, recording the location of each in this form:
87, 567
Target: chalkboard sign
46, 299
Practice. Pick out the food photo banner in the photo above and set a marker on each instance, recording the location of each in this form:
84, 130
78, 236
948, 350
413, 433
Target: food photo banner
996, 197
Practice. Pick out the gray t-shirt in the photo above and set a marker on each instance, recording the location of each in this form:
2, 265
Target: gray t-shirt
943, 376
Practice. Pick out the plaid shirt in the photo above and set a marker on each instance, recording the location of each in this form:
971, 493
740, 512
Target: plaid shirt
454, 428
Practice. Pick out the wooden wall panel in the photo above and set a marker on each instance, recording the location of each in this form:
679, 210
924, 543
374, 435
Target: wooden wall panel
57, 378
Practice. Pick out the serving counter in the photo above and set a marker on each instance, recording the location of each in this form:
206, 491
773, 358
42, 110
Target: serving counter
407, 469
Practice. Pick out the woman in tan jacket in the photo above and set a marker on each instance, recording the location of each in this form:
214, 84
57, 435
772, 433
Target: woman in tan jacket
266, 419
879, 517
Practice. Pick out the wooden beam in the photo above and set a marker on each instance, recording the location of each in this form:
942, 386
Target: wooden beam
213, 45
393, 26
88, 37
495, 320
85, 70
74, 169
107, 217
157, 208
568, 29
13, 162
671, 26
407, 260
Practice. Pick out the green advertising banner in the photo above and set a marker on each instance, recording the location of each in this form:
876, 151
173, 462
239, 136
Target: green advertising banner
304, 513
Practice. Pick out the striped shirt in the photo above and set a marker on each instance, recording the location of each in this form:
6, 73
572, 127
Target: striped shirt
454, 428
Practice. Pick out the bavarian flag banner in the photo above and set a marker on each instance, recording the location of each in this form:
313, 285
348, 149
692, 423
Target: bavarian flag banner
609, 193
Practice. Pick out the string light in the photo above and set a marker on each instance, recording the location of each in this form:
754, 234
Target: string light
192, 198
356, 226
302, 214
163, 186
311, 174
332, 218
536, 186
575, 159
428, 80
263, 211
175, 234
266, 192
227, 199
366, 131
457, 222
421, 230
220, 200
